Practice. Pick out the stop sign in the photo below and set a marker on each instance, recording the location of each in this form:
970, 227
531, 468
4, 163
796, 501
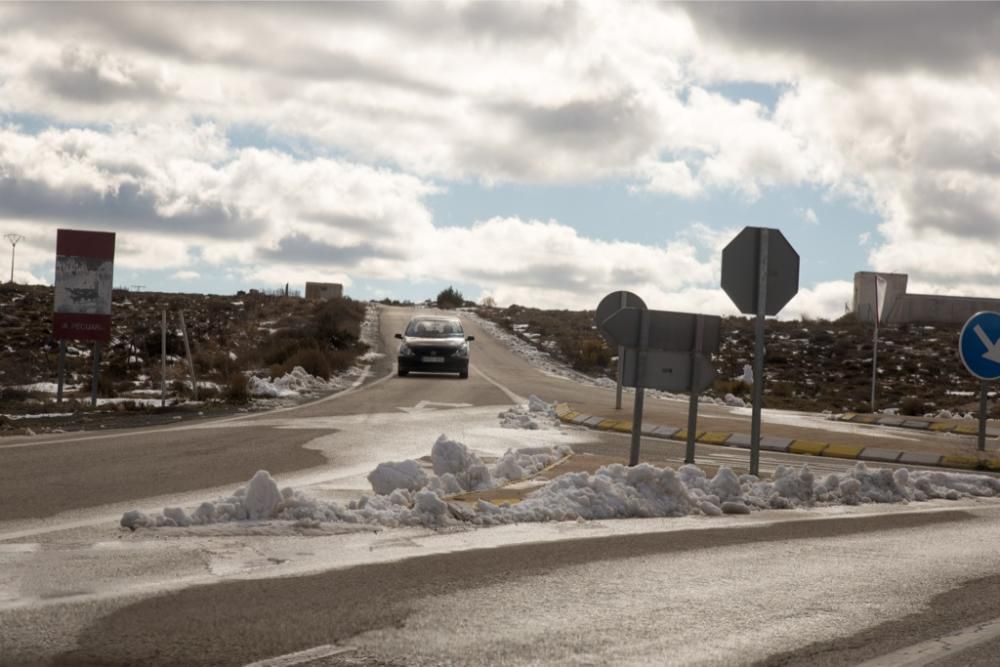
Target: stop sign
741, 262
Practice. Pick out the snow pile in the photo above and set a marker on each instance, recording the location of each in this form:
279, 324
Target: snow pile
535, 414
392, 475
406, 495
734, 401
294, 383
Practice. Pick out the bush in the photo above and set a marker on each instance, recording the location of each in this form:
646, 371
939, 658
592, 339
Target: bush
593, 354
312, 361
912, 407
237, 389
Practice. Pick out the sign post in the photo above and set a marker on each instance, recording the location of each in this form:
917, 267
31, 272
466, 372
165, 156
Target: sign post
664, 350
979, 349
880, 287
82, 295
608, 306
760, 273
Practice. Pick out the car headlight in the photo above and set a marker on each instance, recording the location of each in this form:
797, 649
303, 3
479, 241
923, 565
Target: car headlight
405, 351
463, 351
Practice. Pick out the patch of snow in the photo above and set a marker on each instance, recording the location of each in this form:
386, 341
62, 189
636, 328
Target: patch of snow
44, 415
392, 475
370, 356
734, 401
535, 414
232, 356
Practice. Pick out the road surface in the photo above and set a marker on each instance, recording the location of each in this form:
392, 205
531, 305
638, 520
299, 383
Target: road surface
825, 586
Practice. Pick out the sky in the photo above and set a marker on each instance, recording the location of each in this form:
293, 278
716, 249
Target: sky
542, 153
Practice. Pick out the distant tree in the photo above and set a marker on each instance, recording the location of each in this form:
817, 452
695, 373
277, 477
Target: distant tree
450, 298
488, 302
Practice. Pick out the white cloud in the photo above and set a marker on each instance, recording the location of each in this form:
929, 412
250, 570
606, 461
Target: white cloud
893, 107
807, 215
186, 275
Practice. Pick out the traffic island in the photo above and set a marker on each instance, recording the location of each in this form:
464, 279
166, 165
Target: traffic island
789, 446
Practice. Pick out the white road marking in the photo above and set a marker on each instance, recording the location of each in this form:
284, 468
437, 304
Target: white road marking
300, 657
514, 398
927, 652
430, 406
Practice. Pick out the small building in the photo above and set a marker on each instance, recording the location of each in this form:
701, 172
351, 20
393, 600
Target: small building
323, 291
900, 307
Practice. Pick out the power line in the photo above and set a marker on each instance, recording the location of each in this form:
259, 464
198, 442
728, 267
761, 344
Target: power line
14, 240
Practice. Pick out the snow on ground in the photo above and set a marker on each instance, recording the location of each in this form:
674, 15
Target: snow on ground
43, 415
48, 387
533, 415
407, 494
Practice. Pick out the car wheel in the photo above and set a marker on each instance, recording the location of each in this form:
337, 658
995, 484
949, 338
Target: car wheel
463, 374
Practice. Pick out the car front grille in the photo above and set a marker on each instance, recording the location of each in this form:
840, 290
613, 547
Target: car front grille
434, 351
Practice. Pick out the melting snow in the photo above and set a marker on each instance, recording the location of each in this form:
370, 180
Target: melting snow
407, 495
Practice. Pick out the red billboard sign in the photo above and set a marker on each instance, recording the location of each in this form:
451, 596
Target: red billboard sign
84, 278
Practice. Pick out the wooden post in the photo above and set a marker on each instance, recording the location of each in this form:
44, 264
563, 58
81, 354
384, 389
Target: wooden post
187, 351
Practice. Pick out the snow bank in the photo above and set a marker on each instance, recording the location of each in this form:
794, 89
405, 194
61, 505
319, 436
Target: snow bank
535, 414
406, 495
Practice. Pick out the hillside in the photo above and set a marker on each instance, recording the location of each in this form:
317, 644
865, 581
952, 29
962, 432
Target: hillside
809, 365
239, 345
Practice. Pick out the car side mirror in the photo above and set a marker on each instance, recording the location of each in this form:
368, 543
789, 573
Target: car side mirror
399, 336
470, 338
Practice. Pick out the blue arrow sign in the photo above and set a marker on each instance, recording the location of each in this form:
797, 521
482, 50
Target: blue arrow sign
979, 345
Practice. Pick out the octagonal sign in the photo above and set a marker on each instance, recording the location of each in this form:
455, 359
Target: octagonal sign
741, 261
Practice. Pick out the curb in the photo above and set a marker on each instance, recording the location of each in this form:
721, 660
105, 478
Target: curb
790, 446
918, 423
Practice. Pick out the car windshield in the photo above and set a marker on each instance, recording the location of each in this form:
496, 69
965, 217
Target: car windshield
434, 328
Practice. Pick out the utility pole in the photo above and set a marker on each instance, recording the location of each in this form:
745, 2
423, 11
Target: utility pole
14, 240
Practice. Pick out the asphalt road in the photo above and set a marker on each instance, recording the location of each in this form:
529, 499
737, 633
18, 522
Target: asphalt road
820, 589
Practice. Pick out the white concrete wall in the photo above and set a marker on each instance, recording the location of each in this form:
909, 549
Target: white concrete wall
901, 307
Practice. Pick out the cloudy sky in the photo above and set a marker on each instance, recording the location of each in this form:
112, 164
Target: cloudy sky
540, 153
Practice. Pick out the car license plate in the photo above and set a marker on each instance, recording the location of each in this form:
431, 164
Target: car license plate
433, 360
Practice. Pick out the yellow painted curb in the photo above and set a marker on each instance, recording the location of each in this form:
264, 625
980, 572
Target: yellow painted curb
966, 430
843, 451
683, 435
568, 416
622, 427
864, 419
992, 464
807, 447
562, 409
607, 424
966, 462
848, 416
714, 438
941, 426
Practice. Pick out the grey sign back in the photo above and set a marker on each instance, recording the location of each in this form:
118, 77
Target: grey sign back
611, 304
667, 330
669, 371
741, 265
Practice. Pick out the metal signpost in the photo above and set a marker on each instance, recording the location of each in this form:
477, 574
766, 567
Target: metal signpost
880, 289
760, 273
667, 351
979, 348
82, 299
605, 309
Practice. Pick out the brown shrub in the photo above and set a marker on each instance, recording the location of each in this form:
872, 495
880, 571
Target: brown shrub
237, 389
312, 361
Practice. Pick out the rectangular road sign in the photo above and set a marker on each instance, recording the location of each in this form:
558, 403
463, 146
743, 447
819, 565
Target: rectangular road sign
667, 330
668, 371
84, 279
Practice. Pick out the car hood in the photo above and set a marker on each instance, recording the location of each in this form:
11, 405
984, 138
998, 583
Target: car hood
413, 341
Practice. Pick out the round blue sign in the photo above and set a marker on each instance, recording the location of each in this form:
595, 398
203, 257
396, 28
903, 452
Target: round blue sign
979, 345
